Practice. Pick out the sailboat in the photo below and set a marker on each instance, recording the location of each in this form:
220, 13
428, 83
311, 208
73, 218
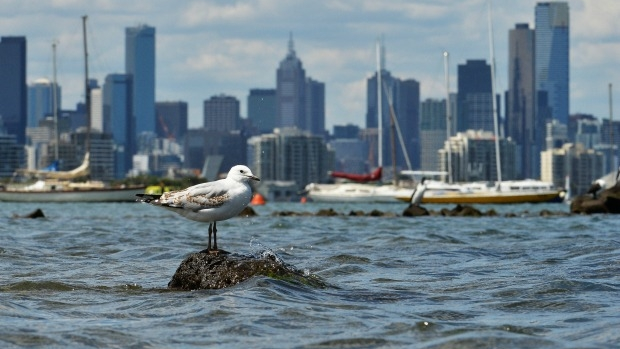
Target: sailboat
501, 192
64, 186
366, 187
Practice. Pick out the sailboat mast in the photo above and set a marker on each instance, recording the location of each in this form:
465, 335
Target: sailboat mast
611, 133
55, 100
379, 104
494, 102
448, 114
86, 85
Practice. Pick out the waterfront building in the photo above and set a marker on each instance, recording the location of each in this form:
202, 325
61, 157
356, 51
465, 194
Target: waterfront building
581, 165
433, 133
118, 120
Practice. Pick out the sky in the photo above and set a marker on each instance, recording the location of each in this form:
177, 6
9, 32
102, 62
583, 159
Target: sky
211, 47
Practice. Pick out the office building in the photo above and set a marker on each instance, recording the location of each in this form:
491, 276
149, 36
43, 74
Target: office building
315, 107
433, 133
289, 155
522, 124
140, 67
262, 109
13, 91
291, 91
41, 101
552, 60
581, 165
221, 113
473, 157
475, 106
171, 120
118, 120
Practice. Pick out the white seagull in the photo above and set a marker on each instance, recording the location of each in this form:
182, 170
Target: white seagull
210, 201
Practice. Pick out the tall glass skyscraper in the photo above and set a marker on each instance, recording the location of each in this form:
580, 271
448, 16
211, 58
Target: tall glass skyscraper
117, 120
475, 106
552, 60
13, 92
521, 122
41, 101
140, 66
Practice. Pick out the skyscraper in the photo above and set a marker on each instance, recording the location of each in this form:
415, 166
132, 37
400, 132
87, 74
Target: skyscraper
118, 121
13, 92
291, 91
475, 106
315, 107
221, 113
521, 122
140, 66
552, 60
40, 101
432, 133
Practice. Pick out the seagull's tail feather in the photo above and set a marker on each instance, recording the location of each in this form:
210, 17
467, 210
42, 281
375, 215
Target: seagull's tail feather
147, 198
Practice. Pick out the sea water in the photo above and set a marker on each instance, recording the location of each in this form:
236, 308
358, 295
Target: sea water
95, 276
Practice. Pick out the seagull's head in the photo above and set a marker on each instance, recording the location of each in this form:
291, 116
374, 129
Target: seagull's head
241, 173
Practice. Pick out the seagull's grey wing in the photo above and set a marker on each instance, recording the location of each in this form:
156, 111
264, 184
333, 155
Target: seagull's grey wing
198, 197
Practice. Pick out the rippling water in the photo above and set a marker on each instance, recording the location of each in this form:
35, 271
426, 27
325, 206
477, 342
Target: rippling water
95, 275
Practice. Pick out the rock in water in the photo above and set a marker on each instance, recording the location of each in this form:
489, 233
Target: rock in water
415, 211
203, 270
38, 213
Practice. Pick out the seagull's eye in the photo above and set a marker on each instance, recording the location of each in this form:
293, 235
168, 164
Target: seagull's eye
242, 171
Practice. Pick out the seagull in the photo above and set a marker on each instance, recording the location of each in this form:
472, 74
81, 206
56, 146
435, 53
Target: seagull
596, 187
209, 202
418, 193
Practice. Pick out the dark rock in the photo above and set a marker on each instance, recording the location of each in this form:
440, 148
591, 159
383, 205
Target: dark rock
327, 212
38, 213
357, 213
491, 213
375, 213
204, 270
248, 212
608, 201
415, 211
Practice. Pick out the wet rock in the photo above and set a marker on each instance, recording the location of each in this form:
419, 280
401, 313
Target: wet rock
375, 213
204, 270
415, 211
608, 201
38, 213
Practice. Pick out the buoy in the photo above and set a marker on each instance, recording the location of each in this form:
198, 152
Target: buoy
303, 200
257, 199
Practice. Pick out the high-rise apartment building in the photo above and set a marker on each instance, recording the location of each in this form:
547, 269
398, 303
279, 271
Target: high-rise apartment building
221, 113
522, 125
552, 60
475, 106
140, 66
13, 91
262, 109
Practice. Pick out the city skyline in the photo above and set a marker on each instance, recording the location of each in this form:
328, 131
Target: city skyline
203, 50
